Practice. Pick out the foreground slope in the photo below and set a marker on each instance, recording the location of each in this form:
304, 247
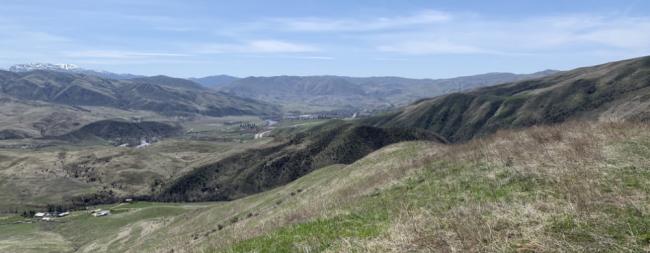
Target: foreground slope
576, 187
617, 90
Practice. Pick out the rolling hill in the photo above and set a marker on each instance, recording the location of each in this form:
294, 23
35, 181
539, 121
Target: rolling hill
215, 82
161, 94
286, 160
612, 91
556, 163
121, 132
576, 187
587, 93
305, 93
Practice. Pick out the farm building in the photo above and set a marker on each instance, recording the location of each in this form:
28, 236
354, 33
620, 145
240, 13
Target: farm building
101, 213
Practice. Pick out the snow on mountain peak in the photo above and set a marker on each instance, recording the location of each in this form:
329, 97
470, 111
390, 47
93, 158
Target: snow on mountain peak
69, 68
42, 66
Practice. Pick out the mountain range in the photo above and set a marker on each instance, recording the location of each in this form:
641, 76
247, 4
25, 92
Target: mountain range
613, 91
320, 93
165, 95
554, 162
215, 81
69, 68
47, 103
356, 93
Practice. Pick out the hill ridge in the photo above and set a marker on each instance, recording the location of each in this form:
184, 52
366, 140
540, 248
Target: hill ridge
581, 93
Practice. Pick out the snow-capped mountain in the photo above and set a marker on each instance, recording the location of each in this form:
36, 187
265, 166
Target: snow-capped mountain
69, 68
42, 66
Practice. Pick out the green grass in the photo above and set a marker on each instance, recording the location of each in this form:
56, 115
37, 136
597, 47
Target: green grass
409, 197
28, 237
315, 235
439, 187
469, 199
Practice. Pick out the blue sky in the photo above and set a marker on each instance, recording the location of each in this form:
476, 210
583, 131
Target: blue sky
434, 39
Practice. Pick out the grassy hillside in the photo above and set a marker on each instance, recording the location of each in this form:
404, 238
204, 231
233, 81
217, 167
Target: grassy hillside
257, 170
577, 179
42, 119
617, 90
576, 187
34, 178
121, 132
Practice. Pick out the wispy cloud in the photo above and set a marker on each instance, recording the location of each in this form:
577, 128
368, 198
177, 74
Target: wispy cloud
276, 46
297, 57
117, 54
478, 35
617, 32
351, 25
325, 58
256, 46
18, 34
164, 33
431, 47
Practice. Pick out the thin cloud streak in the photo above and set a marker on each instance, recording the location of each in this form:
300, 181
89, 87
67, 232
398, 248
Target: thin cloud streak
256, 46
116, 54
432, 47
526, 37
355, 25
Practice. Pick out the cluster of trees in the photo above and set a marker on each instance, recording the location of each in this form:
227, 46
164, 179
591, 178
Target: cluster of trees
28, 213
51, 208
248, 125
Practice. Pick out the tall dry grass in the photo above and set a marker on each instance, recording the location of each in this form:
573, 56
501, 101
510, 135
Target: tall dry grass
571, 164
575, 159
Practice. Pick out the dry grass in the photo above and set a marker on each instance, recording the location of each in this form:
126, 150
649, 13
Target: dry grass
576, 201
576, 187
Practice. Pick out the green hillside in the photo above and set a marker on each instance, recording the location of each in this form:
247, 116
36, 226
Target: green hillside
257, 170
613, 91
161, 94
122, 132
576, 187
555, 164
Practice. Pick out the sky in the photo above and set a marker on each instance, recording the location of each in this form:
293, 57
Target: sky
415, 38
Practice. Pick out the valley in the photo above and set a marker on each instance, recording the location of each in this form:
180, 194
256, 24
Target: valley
161, 164
411, 196
54, 171
324, 126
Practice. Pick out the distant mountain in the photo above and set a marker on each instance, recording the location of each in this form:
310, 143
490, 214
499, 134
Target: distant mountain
617, 90
42, 66
165, 95
215, 81
340, 92
69, 68
169, 82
